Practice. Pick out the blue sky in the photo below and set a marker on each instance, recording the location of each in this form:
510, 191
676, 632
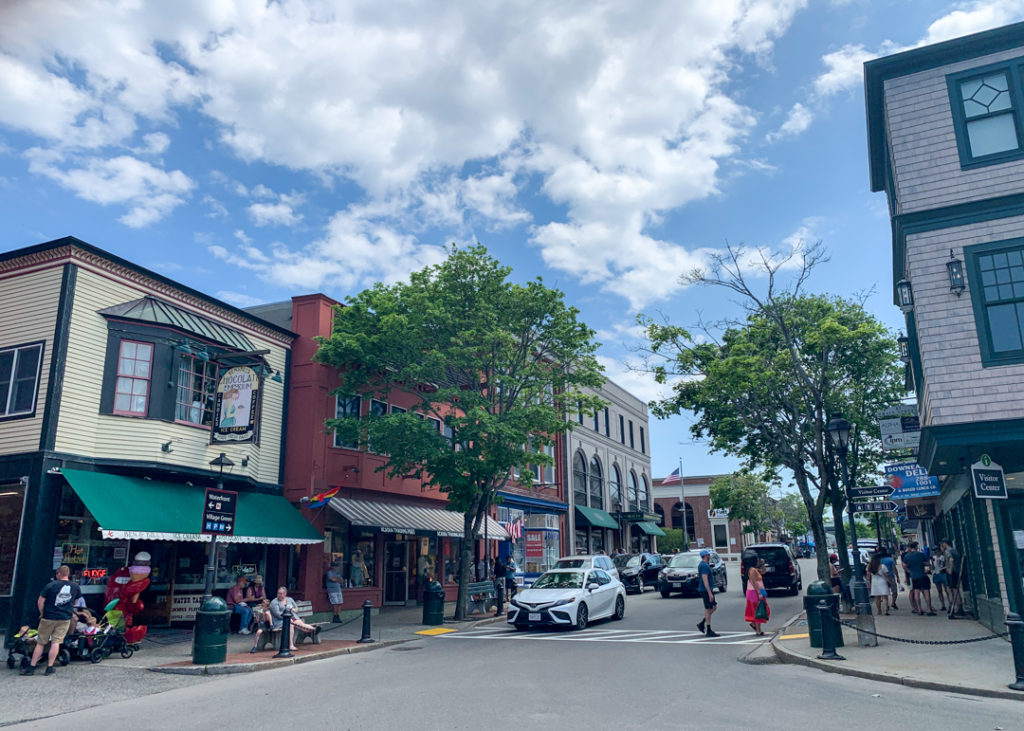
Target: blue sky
260, 150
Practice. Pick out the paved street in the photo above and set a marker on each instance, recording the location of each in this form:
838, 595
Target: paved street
647, 670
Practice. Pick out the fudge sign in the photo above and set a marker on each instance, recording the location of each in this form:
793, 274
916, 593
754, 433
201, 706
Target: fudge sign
219, 512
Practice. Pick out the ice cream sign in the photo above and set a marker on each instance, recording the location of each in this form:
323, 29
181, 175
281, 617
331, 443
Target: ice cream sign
236, 406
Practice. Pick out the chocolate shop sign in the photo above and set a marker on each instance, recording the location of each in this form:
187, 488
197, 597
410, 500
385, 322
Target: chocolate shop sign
236, 407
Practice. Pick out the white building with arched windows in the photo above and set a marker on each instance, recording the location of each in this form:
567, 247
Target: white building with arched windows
608, 476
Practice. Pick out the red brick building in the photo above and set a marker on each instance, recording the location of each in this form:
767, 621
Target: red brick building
705, 526
390, 534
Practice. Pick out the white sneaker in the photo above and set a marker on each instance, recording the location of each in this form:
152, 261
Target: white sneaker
244, 632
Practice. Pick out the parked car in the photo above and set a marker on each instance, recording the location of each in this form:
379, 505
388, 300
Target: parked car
570, 598
639, 570
781, 570
680, 574
596, 561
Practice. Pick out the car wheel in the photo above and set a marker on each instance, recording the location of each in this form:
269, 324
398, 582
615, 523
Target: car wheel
582, 617
620, 608
725, 585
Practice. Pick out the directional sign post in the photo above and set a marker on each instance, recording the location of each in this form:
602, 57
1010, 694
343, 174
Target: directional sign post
864, 493
875, 506
219, 512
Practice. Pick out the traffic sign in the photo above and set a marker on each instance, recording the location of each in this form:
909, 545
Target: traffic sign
862, 493
219, 512
875, 506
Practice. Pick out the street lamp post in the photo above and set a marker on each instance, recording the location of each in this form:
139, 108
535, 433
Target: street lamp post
211, 563
839, 430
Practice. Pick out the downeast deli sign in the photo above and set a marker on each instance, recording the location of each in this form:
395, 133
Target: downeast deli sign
236, 408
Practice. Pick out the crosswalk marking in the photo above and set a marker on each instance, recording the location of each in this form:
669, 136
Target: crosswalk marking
663, 637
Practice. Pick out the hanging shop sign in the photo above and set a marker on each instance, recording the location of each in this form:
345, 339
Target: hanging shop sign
909, 480
988, 478
718, 513
900, 427
924, 511
236, 409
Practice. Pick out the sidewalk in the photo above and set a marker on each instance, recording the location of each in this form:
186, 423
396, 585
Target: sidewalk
978, 668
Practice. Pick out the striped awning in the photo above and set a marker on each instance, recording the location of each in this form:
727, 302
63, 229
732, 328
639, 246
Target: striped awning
399, 518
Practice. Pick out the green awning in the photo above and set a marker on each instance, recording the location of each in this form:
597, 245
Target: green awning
650, 528
136, 508
596, 518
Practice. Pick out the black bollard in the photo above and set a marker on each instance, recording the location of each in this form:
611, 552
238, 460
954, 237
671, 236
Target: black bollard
286, 634
828, 643
499, 594
1015, 626
367, 606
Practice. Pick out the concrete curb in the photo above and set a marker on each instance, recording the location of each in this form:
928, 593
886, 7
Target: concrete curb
252, 667
792, 658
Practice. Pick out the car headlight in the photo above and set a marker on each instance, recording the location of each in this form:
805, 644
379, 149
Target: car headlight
516, 604
563, 602
663, 572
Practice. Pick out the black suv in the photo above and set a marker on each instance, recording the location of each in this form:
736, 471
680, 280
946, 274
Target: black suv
781, 570
636, 572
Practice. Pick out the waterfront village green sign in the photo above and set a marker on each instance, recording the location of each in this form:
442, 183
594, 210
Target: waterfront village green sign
989, 482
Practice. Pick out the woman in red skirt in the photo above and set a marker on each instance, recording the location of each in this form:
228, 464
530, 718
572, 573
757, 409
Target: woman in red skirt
755, 593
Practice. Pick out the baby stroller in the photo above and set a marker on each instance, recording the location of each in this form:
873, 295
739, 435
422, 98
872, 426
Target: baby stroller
24, 644
113, 637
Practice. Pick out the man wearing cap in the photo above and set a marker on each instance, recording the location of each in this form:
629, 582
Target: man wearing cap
705, 588
237, 603
333, 582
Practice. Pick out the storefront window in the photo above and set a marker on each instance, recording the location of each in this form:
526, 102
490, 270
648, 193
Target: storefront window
91, 559
541, 550
453, 547
426, 563
360, 561
12, 501
579, 479
582, 545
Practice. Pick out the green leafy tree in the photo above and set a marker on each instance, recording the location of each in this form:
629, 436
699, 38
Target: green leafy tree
498, 365
764, 388
746, 497
794, 515
673, 540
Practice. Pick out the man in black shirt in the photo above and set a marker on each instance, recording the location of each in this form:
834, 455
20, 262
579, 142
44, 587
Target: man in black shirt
56, 607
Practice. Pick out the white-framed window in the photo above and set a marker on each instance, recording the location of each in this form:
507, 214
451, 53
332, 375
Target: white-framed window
545, 473
346, 407
19, 379
134, 367
197, 390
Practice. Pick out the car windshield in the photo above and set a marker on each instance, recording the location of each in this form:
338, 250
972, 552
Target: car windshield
626, 562
684, 561
560, 580
571, 563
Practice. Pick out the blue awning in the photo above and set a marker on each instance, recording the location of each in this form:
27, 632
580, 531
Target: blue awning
511, 498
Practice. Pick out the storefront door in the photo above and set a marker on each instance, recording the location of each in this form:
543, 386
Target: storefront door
396, 572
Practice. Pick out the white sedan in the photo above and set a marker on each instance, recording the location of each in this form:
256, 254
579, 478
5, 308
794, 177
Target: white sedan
568, 598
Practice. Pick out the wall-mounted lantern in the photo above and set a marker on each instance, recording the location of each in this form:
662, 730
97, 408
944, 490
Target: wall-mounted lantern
955, 269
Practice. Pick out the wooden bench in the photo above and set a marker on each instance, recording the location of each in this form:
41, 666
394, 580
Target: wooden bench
482, 596
272, 637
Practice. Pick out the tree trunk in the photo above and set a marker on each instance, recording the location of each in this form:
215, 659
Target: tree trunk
816, 524
838, 503
470, 527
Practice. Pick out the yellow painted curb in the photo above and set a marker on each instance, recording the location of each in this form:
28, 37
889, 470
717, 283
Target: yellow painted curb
795, 637
436, 631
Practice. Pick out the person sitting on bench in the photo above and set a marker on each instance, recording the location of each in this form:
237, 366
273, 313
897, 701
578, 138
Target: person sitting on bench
277, 607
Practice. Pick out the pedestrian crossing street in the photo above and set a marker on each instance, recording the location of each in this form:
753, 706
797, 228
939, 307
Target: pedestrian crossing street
657, 637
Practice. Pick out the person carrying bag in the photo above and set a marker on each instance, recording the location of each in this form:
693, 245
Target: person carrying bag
757, 611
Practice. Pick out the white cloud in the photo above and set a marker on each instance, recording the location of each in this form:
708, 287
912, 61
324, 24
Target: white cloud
440, 114
216, 208
239, 299
638, 382
149, 192
798, 119
276, 214
155, 144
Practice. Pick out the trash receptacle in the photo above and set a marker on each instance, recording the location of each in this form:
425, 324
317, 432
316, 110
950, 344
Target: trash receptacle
433, 603
210, 637
816, 591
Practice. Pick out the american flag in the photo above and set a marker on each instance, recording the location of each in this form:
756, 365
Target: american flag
673, 478
515, 529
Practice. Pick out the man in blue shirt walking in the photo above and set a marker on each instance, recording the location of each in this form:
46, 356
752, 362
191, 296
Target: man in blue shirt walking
706, 589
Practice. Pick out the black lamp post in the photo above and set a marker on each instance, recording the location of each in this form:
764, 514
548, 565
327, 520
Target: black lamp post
211, 563
839, 429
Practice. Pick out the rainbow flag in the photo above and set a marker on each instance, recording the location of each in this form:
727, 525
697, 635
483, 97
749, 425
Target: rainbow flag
320, 499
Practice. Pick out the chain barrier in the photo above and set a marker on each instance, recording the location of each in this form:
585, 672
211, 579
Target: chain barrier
853, 625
